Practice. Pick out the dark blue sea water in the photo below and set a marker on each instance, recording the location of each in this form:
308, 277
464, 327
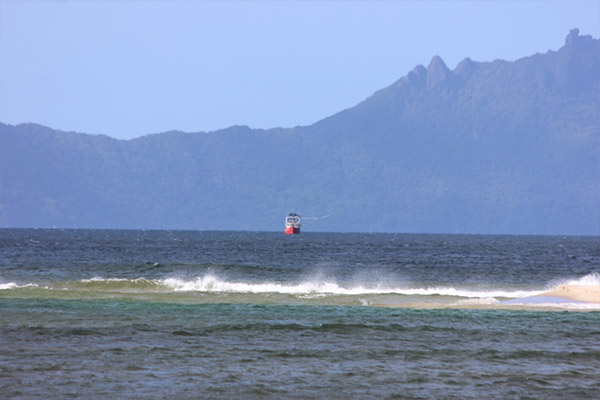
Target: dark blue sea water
161, 314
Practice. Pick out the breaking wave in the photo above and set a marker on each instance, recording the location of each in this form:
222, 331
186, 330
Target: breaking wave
213, 288
212, 284
591, 279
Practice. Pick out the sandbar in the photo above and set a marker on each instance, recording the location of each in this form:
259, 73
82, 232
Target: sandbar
563, 294
586, 293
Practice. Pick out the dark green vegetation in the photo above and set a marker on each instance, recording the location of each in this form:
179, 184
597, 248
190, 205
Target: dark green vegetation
500, 147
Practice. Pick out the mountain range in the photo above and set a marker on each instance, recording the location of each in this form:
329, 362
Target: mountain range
489, 147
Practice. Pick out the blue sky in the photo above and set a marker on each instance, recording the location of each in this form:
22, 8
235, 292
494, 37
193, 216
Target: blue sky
130, 68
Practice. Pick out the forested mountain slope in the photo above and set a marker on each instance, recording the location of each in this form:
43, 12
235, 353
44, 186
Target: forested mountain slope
489, 147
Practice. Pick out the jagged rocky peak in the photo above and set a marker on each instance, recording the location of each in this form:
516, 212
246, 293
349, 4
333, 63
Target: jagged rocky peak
573, 38
437, 72
414, 77
465, 68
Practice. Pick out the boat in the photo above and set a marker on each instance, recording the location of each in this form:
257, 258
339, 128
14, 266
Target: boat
292, 224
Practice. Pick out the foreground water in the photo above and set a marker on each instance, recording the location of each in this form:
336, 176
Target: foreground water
158, 314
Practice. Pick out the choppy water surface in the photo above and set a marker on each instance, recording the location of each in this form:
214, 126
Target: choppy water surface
156, 314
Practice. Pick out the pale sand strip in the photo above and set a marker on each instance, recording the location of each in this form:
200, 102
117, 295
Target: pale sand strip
589, 294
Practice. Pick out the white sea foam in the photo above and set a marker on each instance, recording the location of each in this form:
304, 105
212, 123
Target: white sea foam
485, 301
119, 280
312, 288
591, 279
13, 285
211, 283
107, 280
9, 285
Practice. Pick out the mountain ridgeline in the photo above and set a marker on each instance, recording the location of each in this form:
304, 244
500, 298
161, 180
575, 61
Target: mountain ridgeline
489, 147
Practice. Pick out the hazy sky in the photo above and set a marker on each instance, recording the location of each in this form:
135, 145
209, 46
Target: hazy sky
130, 68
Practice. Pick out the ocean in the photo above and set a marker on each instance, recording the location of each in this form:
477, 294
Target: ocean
111, 314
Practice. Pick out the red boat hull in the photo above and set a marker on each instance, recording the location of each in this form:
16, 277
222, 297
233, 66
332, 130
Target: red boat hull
290, 230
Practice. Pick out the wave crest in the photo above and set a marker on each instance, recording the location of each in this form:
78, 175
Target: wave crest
309, 289
591, 279
115, 284
211, 283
